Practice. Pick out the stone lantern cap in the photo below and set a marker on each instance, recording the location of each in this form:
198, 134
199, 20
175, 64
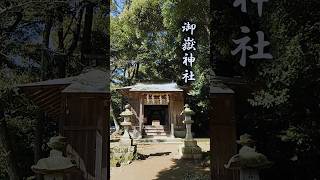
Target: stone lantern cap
248, 158
187, 111
57, 142
127, 112
56, 163
246, 139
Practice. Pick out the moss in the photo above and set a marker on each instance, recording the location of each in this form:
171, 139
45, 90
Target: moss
120, 155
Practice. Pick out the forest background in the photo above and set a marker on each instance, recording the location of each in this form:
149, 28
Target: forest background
51, 39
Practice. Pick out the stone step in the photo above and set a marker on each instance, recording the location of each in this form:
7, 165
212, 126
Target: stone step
154, 130
155, 127
157, 134
158, 139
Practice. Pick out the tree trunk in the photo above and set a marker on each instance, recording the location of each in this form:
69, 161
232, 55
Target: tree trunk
45, 74
86, 36
45, 44
76, 33
116, 124
61, 58
7, 146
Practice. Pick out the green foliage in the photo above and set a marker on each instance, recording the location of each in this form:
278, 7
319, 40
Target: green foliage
285, 99
25, 58
146, 45
19, 115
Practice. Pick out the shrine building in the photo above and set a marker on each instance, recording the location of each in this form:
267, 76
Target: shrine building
156, 108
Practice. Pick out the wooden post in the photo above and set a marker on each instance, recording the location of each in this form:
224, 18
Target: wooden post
223, 134
141, 115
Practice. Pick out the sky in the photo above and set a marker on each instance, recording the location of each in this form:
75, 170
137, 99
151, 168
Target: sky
119, 4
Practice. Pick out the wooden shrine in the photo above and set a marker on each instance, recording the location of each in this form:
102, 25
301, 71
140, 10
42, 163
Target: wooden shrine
81, 106
155, 105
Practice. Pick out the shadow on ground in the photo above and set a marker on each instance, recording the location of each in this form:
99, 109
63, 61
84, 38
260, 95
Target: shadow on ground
161, 154
185, 170
144, 156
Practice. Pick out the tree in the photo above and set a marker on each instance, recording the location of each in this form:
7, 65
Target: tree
41, 40
284, 102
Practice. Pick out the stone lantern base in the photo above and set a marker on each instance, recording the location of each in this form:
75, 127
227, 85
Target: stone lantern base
251, 174
122, 155
190, 150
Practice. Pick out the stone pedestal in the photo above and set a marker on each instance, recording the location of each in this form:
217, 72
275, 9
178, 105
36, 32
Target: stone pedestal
122, 155
189, 149
249, 174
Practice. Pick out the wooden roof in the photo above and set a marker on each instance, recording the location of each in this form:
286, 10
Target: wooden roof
48, 94
220, 89
92, 81
153, 87
221, 84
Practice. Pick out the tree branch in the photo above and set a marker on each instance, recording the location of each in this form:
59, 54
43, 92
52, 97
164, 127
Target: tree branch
76, 34
5, 10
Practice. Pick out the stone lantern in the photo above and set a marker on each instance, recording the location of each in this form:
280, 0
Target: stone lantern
189, 149
124, 152
248, 161
56, 165
127, 115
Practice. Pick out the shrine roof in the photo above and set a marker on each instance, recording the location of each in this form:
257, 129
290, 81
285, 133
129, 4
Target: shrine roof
48, 94
219, 88
153, 87
92, 81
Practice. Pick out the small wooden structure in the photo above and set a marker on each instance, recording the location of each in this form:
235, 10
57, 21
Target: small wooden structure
81, 105
157, 104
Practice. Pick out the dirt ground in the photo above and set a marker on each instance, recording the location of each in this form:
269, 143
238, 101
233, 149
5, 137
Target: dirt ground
163, 163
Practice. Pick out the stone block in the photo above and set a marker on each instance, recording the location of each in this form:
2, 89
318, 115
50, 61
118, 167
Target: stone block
126, 142
190, 150
122, 155
155, 123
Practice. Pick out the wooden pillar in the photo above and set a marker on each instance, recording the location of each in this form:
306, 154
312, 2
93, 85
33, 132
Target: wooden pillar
170, 115
223, 135
141, 114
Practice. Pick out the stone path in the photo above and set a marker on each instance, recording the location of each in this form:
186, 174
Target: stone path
162, 164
